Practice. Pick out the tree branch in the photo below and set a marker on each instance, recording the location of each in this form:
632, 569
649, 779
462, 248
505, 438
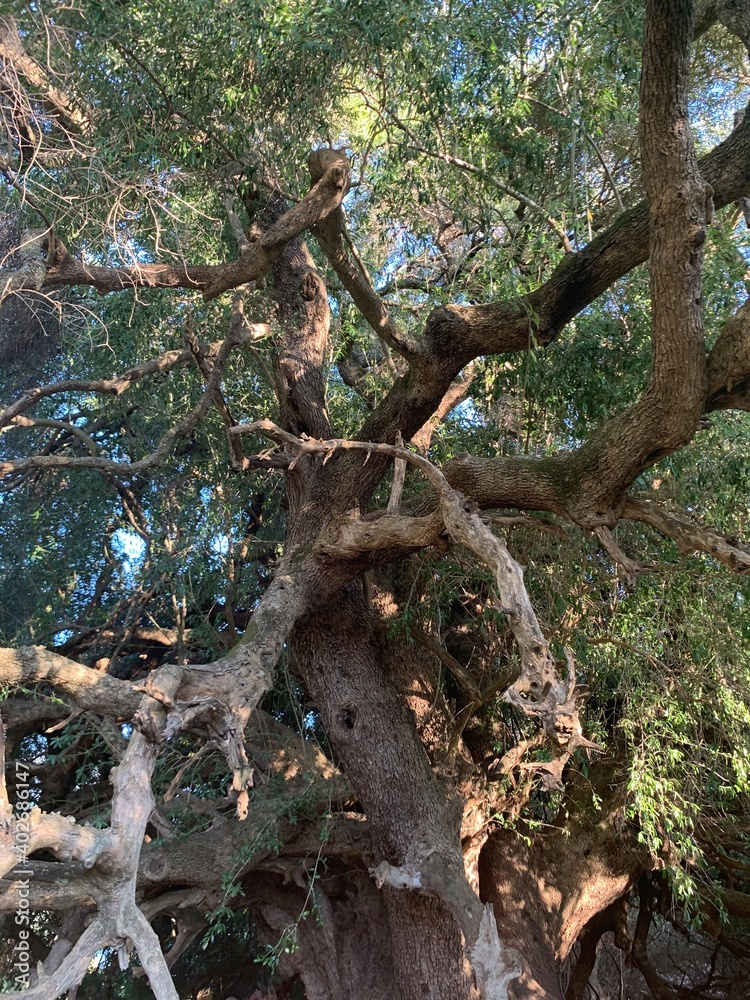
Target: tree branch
13, 53
324, 197
690, 535
580, 278
157, 457
119, 384
331, 236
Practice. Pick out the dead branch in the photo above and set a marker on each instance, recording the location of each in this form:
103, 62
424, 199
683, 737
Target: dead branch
399, 477
466, 681
223, 695
113, 854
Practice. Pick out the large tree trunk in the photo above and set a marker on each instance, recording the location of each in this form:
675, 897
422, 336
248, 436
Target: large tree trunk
364, 689
547, 892
410, 810
372, 694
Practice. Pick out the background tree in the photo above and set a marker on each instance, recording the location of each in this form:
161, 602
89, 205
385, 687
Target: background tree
281, 434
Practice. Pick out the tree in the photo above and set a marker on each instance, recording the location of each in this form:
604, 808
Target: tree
235, 472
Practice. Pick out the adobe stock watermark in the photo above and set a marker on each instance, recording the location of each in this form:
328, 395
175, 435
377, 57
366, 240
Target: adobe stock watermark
24, 805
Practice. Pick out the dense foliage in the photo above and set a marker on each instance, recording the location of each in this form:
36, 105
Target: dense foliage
487, 141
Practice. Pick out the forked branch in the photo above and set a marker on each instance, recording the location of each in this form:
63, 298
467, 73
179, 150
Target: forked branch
539, 691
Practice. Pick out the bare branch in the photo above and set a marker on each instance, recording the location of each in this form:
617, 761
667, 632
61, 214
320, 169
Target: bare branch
462, 675
544, 524
115, 386
87, 688
381, 538
157, 457
204, 367
71, 971
61, 425
455, 395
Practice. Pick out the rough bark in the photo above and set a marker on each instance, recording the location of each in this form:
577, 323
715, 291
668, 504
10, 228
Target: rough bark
442, 938
413, 815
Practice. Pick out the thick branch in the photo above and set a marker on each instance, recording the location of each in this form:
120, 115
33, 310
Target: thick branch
325, 196
224, 694
330, 234
580, 278
454, 335
690, 535
88, 689
571, 483
590, 482
680, 207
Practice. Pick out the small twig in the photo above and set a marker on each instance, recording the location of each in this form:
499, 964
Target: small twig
471, 168
121, 383
691, 536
